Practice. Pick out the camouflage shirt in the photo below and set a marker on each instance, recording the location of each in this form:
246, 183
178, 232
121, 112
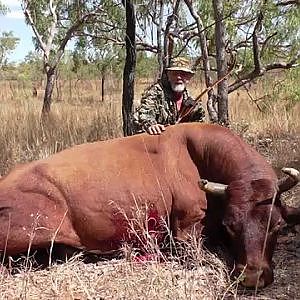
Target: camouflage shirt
158, 107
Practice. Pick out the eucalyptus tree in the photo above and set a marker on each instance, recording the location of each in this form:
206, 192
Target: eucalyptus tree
8, 42
264, 35
129, 68
55, 23
103, 42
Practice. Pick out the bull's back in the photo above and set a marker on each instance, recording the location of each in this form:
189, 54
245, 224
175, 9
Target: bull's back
121, 162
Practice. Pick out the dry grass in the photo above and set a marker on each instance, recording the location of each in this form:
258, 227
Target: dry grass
119, 279
83, 117
274, 121
24, 137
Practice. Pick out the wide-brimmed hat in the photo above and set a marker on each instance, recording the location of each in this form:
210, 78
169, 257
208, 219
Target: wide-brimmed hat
180, 64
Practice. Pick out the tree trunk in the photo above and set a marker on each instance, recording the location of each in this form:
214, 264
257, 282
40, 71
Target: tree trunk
221, 63
102, 85
168, 46
160, 53
129, 68
211, 98
58, 88
48, 91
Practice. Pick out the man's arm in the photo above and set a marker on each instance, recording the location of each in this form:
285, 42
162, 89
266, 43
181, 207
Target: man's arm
146, 114
198, 113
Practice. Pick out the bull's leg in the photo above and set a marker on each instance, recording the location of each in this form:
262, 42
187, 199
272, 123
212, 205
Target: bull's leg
183, 229
188, 209
185, 234
29, 225
187, 221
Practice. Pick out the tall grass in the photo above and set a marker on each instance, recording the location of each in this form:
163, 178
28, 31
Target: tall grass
79, 116
24, 137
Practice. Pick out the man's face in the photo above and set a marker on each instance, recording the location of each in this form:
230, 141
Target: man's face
178, 80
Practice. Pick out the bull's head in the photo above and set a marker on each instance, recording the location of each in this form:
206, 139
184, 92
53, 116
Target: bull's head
252, 218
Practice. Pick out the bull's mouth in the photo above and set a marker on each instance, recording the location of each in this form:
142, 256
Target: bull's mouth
253, 277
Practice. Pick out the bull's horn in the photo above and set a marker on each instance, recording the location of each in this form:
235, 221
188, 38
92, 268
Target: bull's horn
288, 182
212, 187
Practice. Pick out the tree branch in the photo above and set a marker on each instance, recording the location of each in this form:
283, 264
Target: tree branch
32, 24
168, 49
205, 58
288, 2
69, 34
265, 43
289, 65
255, 46
252, 75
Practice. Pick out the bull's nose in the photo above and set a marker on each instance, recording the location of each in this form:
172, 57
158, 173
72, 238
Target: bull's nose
253, 277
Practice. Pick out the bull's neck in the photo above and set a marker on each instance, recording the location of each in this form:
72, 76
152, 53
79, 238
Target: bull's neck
222, 156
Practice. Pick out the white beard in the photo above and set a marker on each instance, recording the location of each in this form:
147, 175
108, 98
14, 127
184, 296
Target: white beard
178, 87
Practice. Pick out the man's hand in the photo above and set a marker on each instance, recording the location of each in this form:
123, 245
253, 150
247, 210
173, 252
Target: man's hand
156, 129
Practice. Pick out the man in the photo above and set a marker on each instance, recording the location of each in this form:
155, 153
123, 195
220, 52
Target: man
167, 101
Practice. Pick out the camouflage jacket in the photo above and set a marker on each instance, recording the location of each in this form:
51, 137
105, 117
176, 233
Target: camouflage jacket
158, 107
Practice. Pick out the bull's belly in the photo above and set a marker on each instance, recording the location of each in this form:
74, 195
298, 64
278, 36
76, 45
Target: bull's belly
112, 232
111, 219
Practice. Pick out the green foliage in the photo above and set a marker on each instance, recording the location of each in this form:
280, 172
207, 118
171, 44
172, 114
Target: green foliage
290, 89
282, 23
30, 70
285, 89
7, 44
32, 67
99, 45
99, 42
278, 37
146, 66
3, 9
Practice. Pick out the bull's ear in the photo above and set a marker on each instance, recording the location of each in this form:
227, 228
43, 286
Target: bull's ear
213, 187
289, 181
290, 214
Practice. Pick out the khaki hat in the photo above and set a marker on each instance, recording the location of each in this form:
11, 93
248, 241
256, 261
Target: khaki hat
180, 64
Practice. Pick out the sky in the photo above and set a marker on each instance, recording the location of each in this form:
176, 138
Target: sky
15, 21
